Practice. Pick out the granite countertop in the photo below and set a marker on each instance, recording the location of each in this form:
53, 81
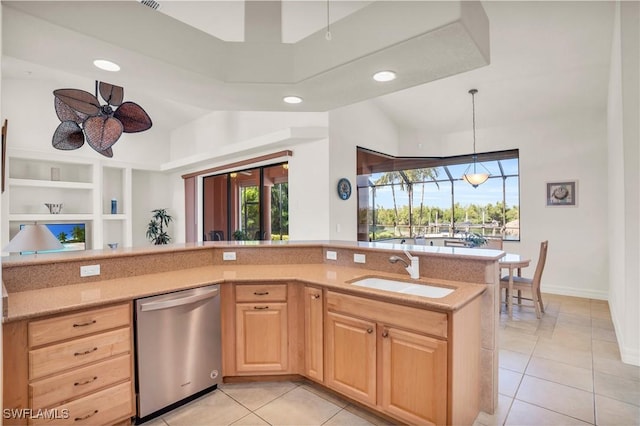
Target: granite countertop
33, 303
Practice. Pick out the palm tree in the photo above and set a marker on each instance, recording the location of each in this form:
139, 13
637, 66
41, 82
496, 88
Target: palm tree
77, 233
62, 236
390, 178
155, 230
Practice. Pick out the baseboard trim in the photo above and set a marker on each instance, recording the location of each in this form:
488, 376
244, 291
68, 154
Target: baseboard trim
576, 292
628, 355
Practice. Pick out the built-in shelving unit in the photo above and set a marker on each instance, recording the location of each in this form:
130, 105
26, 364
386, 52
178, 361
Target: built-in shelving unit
84, 186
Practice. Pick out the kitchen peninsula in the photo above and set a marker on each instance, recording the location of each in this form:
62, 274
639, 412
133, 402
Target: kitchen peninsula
313, 305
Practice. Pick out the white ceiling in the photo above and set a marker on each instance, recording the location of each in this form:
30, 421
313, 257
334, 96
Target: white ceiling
547, 58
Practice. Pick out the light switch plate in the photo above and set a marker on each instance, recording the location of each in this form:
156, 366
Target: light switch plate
229, 255
89, 270
359, 258
332, 255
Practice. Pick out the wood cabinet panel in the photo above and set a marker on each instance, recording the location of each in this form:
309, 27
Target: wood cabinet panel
261, 337
78, 382
74, 325
261, 293
56, 358
313, 333
100, 408
428, 322
350, 356
414, 377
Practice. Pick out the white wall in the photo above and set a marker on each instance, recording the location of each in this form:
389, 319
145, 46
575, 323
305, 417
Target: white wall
623, 189
151, 190
557, 148
365, 125
308, 167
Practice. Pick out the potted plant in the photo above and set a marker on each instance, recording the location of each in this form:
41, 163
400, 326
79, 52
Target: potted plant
240, 235
475, 240
156, 232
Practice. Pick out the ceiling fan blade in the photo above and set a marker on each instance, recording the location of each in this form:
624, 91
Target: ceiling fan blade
112, 94
68, 136
134, 119
102, 132
78, 100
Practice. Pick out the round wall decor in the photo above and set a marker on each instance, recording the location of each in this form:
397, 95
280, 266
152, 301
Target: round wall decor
344, 189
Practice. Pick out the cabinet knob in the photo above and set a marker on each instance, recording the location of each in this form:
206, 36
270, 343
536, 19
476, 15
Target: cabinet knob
385, 333
369, 330
315, 296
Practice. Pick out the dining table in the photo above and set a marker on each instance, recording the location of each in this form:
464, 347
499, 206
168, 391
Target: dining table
512, 262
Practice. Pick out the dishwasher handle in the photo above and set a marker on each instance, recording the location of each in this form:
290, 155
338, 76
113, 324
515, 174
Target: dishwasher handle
154, 306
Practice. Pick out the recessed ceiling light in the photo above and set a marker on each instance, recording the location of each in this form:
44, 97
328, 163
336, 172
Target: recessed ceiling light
103, 64
292, 99
383, 76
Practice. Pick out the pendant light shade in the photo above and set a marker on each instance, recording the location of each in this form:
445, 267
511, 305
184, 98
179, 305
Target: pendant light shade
475, 175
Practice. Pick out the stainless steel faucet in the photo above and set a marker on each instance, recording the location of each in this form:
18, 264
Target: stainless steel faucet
413, 269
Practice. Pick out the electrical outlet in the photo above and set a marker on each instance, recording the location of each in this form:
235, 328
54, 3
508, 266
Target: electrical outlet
359, 258
332, 255
229, 255
89, 270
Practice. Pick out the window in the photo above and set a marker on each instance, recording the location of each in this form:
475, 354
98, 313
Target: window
411, 197
250, 204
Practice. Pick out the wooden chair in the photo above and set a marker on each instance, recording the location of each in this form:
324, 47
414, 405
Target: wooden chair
532, 284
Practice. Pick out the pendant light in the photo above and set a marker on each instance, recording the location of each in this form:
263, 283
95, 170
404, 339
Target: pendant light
472, 176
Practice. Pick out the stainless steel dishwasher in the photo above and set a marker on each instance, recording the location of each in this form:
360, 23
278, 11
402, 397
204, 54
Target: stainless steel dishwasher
178, 354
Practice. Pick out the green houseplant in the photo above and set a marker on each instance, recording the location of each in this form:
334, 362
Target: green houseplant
156, 232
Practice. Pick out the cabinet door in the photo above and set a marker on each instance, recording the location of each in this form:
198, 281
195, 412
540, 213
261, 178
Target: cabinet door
350, 355
414, 374
261, 337
313, 337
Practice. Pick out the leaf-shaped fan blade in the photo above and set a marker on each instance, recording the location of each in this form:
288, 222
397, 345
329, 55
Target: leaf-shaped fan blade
78, 100
102, 132
112, 94
68, 136
107, 152
65, 113
133, 117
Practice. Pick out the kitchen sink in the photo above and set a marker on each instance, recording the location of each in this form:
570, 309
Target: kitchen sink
403, 287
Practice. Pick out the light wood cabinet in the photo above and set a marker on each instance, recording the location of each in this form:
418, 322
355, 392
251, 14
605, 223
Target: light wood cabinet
372, 358
78, 367
350, 354
414, 376
261, 337
261, 329
313, 333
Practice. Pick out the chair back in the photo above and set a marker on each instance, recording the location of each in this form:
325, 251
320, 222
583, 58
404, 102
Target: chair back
537, 276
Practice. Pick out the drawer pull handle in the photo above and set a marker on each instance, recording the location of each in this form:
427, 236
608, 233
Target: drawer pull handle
385, 333
261, 293
85, 352
369, 330
260, 307
315, 296
86, 382
84, 324
77, 419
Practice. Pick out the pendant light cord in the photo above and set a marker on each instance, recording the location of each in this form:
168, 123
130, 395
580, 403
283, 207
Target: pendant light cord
473, 114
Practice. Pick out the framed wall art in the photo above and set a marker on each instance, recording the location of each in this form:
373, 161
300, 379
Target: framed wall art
562, 193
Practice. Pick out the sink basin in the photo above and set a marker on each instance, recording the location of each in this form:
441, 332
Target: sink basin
403, 287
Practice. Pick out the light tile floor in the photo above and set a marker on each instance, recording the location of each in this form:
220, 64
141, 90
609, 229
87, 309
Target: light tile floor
563, 369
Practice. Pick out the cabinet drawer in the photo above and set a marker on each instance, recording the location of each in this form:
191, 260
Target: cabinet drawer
74, 353
261, 293
63, 387
100, 408
428, 322
77, 324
